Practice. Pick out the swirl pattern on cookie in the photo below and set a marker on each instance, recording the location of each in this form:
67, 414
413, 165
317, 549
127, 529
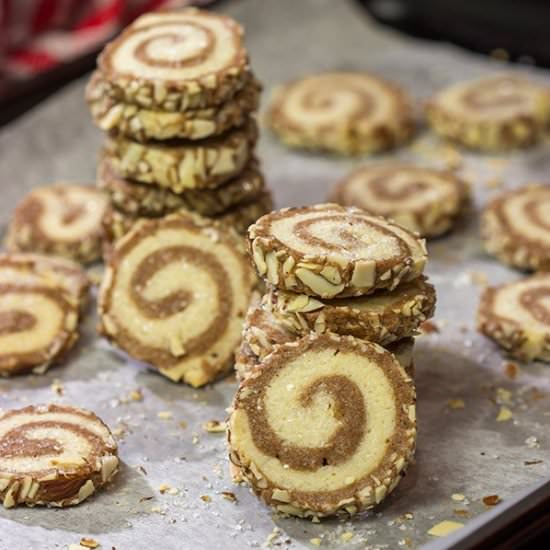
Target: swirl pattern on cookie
141, 199
175, 294
52, 271
140, 124
346, 113
423, 200
332, 251
53, 455
358, 438
517, 317
61, 219
180, 165
382, 317
516, 227
176, 60
492, 113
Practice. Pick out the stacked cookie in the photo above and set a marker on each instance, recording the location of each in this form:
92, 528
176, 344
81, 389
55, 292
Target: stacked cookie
176, 96
345, 296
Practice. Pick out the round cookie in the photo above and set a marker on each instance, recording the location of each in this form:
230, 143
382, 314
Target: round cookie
61, 219
176, 60
53, 455
346, 113
326, 425
422, 200
515, 227
517, 317
25, 268
493, 113
180, 165
175, 294
382, 317
142, 199
140, 124
332, 251
240, 217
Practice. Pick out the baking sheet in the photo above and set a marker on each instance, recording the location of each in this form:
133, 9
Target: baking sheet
460, 450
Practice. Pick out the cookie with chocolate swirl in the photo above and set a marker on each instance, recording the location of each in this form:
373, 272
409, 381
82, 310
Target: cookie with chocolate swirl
493, 113
423, 200
62, 219
142, 199
53, 455
359, 435
345, 113
174, 296
333, 251
517, 317
176, 60
515, 227
179, 165
141, 124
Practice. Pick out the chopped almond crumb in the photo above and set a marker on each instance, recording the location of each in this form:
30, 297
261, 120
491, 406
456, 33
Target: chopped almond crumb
182, 424
136, 395
228, 495
89, 543
206, 498
347, 536
504, 414
458, 497
445, 528
461, 512
511, 370
504, 395
164, 415
315, 541
491, 500
163, 488
429, 327
214, 426
456, 403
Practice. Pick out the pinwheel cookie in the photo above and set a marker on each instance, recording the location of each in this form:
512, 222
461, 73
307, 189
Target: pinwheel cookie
517, 317
347, 113
176, 61
493, 113
175, 294
53, 455
61, 219
141, 124
331, 251
423, 200
516, 227
141, 199
326, 425
382, 317
183, 164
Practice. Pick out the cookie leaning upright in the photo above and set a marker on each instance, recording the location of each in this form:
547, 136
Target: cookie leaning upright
53, 455
517, 317
175, 294
493, 113
359, 435
332, 251
515, 227
346, 113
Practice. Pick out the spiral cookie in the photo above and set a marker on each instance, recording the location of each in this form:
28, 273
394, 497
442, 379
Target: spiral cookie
326, 425
53, 455
176, 60
139, 199
329, 250
382, 317
420, 199
175, 294
517, 317
346, 113
493, 113
62, 219
52, 271
112, 115
516, 227
180, 165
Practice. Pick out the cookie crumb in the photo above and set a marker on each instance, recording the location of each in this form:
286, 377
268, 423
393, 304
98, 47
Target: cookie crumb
491, 500
504, 414
315, 541
89, 543
445, 528
456, 403
214, 426
165, 415
511, 370
429, 327
458, 497
228, 495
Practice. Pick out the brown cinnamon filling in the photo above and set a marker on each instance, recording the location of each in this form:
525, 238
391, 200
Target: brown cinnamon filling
532, 210
381, 185
16, 321
531, 300
348, 407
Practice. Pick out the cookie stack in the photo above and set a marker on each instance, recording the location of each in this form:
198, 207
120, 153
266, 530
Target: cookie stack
341, 284
176, 95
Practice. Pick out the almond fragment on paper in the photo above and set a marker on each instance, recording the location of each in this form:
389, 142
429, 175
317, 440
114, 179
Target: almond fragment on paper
504, 414
458, 497
491, 500
214, 426
315, 541
429, 327
445, 528
164, 415
456, 403
511, 370
89, 543
347, 536
228, 495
